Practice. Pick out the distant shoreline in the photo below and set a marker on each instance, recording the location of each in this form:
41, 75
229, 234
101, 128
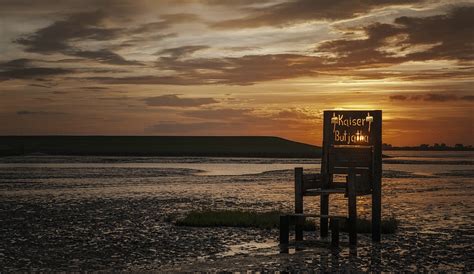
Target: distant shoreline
175, 146
429, 149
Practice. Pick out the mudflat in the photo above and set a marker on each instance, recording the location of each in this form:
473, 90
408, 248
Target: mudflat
115, 213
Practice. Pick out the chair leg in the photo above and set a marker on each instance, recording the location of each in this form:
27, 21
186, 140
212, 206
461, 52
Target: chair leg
298, 190
299, 221
324, 210
334, 224
284, 232
376, 211
299, 225
351, 189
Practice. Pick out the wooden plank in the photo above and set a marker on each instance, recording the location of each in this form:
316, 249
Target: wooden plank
324, 202
299, 190
315, 192
350, 163
361, 156
352, 203
338, 185
345, 170
312, 181
317, 216
363, 184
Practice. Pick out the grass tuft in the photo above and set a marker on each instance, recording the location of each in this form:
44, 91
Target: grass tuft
268, 220
231, 218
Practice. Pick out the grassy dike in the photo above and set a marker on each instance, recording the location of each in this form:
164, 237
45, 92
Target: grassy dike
268, 220
212, 146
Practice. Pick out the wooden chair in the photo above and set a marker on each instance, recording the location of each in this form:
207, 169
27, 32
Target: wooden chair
362, 167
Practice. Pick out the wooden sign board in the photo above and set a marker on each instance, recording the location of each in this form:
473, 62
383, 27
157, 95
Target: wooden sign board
353, 138
353, 128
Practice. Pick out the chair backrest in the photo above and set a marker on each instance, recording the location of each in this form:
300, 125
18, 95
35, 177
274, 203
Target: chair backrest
341, 159
352, 141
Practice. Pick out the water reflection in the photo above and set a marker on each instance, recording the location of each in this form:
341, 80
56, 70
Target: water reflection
328, 259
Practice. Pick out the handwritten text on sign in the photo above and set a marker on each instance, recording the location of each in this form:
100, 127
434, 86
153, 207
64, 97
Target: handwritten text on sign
352, 128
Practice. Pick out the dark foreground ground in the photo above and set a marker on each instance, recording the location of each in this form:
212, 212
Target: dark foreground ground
123, 219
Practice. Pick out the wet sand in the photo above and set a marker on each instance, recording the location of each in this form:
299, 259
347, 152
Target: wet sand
87, 219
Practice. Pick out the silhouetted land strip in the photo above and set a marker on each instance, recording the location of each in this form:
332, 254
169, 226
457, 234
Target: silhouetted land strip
434, 147
215, 146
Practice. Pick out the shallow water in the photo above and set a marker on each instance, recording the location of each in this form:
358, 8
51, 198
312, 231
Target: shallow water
112, 213
427, 163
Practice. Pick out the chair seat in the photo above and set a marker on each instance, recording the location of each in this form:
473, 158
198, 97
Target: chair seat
319, 191
317, 216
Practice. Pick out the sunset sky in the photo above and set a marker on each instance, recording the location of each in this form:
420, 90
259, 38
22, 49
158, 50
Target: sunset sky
212, 67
